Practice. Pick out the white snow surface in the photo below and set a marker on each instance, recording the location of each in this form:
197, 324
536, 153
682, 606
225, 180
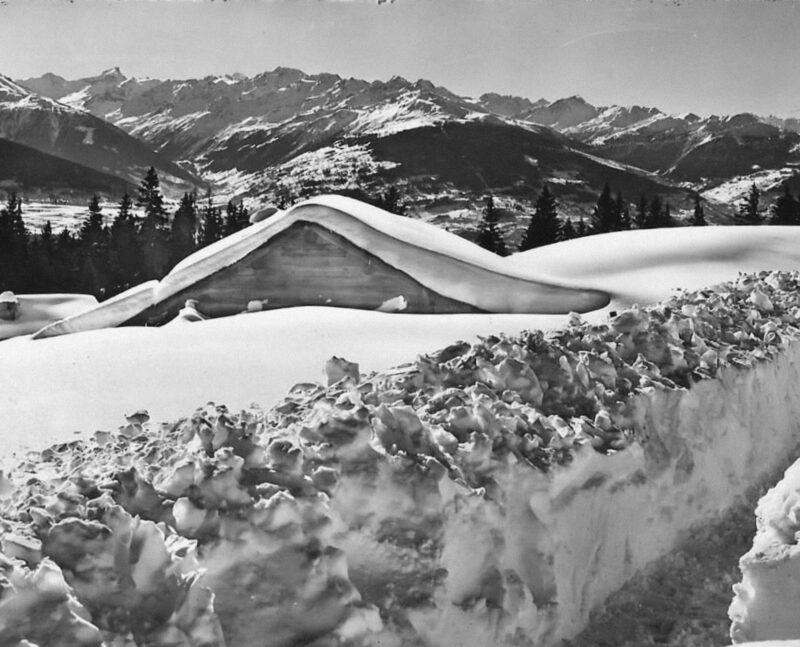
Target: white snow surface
644, 266
766, 600
88, 380
39, 310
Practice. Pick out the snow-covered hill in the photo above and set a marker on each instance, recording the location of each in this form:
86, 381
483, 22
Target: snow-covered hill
172, 368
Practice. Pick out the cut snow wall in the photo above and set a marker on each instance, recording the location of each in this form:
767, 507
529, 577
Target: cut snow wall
766, 600
466, 499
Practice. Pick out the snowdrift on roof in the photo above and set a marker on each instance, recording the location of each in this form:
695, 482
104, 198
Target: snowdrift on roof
339, 252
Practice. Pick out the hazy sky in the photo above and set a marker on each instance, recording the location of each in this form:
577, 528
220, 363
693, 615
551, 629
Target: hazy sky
706, 56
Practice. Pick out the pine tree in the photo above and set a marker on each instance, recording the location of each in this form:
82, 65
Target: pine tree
13, 246
124, 248
786, 210
605, 216
640, 219
184, 227
94, 275
153, 230
623, 212
567, 231
544, 227
698, 217
211, 229
581, 230
151, 199
236, 218
655, 214
666, 219
92, 232
391, 200
748, 213
488, 235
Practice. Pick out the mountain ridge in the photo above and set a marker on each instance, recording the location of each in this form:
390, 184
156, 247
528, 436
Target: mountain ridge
246, 135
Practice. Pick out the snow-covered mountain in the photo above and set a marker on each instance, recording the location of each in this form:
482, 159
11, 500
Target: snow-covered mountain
285, 133
685, 148
75, 135
293, 133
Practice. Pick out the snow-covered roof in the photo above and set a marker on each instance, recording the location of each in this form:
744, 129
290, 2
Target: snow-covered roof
442, 262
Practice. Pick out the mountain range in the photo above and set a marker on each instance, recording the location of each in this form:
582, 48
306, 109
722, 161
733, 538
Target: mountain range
285, 134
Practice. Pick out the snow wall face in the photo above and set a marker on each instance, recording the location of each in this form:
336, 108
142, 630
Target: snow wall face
488, 494
767, 598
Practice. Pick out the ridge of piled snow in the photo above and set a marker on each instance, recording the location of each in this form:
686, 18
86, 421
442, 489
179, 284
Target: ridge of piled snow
765, 602
487, 494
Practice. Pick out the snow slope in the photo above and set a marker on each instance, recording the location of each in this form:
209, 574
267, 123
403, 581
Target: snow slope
91, 378
642, 266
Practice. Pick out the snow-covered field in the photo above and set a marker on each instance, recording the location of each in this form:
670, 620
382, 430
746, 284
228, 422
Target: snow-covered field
576, 504
61, 216
87, 381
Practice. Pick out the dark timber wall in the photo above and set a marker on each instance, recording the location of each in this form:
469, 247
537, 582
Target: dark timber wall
304, 265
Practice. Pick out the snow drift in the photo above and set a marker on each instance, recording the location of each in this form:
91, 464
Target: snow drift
449, 273
766, 600
486, 494
39, 310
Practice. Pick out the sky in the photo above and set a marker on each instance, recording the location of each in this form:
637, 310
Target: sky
702, 56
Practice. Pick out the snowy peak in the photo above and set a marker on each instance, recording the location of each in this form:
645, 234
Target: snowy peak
12, 91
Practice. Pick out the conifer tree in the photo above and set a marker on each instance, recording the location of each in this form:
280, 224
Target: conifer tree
544, 227
698, 217
13, 245
488, 234
124, 248
211, 229
581, 230
655, 214
567, 231
666, 218
184, 228
605, 216
391, 200
748, 212
236, 218
151, 199
623, 212
786, 210
92, 232
640, 219
153, 230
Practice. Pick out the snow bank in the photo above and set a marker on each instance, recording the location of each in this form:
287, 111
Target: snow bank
765, 602
489, 493
38, 310
646, 266
88, 380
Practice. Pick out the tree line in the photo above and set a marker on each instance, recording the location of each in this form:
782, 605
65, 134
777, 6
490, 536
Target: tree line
612, 213
142, 242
